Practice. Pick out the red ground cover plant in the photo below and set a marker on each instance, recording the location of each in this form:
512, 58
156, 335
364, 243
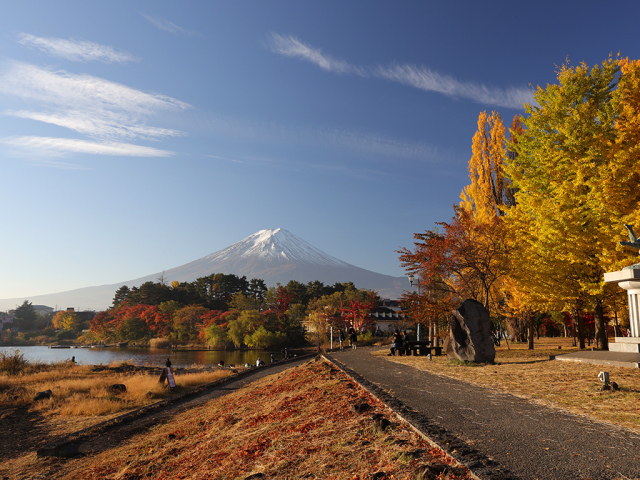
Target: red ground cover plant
298, 424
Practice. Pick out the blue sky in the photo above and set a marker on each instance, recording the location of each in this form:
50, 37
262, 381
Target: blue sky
139, 136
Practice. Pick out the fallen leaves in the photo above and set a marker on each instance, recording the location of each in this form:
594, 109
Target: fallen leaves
299, 425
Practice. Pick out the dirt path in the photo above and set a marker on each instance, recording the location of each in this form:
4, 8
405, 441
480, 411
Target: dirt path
526, 439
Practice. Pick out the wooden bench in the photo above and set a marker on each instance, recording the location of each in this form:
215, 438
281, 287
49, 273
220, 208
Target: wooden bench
422, 348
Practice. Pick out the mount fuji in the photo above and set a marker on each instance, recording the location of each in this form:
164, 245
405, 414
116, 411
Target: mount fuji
274, 255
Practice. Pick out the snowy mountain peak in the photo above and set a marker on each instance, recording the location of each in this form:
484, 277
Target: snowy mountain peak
279, 246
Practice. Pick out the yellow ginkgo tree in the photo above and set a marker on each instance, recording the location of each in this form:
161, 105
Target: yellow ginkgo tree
576, 182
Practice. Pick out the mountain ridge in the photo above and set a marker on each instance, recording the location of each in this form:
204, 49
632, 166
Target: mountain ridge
274, 255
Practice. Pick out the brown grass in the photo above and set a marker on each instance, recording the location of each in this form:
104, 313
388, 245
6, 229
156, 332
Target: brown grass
78, 391
529, 373
298, 424
159, 343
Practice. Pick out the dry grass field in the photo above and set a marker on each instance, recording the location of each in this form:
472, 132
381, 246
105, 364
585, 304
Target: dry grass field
81, 391
529, 373
300, 423
80, 397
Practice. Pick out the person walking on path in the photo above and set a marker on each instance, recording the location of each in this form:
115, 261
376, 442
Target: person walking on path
341, 338
353, 337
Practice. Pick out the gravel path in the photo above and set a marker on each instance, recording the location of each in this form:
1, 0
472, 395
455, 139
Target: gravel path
480, 425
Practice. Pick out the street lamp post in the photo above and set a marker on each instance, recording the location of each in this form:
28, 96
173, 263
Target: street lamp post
411, 278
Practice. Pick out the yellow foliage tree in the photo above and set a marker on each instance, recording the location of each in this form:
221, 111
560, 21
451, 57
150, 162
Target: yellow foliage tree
577, 183
489, 192
66, 320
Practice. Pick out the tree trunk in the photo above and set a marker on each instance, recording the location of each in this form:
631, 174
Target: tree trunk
602, 339
580, 330
573, 329
530, 331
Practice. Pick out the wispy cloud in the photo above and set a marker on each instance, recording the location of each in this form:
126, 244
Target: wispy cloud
75, 50
367, 144
290, 46
106, 111
224, 158
87, 104
428, 80
85, 91
415, 76
109, 125
163, 24
59, 146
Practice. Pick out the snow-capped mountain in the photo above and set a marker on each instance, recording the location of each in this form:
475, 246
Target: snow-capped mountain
279, 246
274, 255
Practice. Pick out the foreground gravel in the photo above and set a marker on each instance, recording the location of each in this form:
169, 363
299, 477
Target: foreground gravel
499, 435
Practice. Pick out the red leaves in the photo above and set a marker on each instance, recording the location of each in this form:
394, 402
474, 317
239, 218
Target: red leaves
357, 312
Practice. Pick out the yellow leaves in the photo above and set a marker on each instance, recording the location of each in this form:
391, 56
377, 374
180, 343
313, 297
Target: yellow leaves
486, 193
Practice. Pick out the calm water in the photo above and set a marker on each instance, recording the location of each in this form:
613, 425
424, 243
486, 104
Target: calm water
143, 356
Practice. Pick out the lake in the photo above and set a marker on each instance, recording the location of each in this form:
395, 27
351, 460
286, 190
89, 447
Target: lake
155, 357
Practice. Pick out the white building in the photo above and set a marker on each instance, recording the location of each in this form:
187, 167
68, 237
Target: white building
5, 318
42, 309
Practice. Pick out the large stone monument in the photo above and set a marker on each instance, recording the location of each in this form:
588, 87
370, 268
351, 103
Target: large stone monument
470, 334
629, 279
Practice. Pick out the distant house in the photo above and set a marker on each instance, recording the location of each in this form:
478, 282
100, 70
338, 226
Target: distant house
42, 309
388, 316
5, 318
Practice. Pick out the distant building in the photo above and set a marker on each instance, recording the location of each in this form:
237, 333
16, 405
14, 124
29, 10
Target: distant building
42, 309
388, 316
5, 318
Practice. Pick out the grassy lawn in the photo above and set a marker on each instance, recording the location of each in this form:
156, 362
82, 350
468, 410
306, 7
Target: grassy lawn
529, 373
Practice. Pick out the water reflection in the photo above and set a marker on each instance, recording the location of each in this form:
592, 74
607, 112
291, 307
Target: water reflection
145, 356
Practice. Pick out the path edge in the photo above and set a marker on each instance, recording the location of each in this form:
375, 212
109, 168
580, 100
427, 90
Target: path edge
483, 466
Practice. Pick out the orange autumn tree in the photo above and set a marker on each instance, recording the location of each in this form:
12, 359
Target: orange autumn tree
469, 257
464, 261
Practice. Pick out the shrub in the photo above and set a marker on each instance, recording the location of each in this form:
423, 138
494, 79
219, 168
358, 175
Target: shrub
65, 335
217, 337
12, 362
262, 338
159, 343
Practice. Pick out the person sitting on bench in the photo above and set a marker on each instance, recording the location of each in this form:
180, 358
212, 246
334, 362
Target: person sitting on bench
397, 342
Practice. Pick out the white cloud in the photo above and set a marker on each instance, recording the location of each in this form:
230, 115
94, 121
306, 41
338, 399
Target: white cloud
109, 126
81, 91
87, 104
290, 46
75, 50
418, 77
56, 146
166, 25
428, 80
